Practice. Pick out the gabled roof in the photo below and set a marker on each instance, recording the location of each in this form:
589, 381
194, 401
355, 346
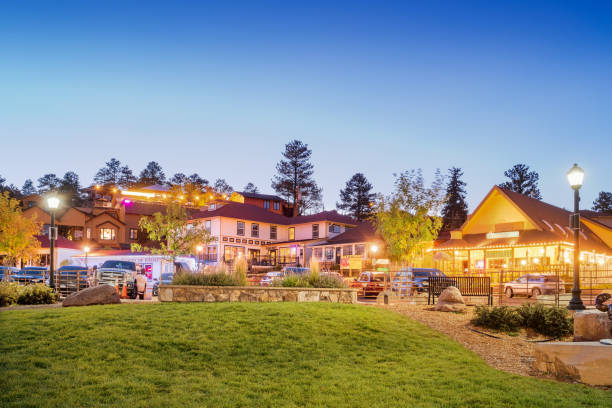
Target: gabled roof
332, 216
60, 242
364, 232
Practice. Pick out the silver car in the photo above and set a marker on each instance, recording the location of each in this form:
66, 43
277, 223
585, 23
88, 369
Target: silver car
534, 285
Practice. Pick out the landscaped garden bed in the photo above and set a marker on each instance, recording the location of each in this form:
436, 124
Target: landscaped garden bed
254, 355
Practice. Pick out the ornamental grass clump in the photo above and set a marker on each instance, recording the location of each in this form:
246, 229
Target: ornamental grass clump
211, 276
241, 267
310, 280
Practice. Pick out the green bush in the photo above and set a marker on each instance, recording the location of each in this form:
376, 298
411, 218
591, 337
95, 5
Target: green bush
548, 321
310, 280
36, 294
9, 292
205, 279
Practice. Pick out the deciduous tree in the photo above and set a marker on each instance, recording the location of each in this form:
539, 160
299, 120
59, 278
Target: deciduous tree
408, 219
17, 233
357, 198
294, 181
222, 187
603, 203
522, 181
455, 210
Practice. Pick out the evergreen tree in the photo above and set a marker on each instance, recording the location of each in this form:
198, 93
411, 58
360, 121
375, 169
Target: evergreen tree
28, 188
114, 174
356, 198
251, 188
178, 179
455, 211
222, 187
294, 180
603, 203
152, 174
71, 188
522, 181
197, 181
48, 182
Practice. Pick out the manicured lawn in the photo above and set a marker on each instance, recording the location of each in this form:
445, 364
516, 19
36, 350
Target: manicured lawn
256, 355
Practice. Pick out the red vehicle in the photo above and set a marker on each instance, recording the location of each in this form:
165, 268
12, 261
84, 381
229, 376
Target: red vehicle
370, 283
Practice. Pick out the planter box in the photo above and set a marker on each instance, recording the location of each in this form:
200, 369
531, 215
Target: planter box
188, 293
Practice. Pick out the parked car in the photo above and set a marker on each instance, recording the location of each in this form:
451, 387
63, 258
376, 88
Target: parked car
32, 274
119, 272
414, 279
269, 277
166, 279
534, 285
369, 283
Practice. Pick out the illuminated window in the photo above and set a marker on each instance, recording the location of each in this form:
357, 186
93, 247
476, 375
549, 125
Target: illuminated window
272, 231
207, 225
315, 231
291, 233
107, 234
88, 232
240, 228
255, 230
133, 233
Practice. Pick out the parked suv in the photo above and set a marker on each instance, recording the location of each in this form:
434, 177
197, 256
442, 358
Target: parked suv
369, 283
118, 271
415, 279
534, 285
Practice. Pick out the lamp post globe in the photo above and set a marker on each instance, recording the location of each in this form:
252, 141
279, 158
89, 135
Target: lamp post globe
53, 203
575, 177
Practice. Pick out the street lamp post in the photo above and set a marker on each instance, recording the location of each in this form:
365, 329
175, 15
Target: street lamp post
86, 250
199, 250
575, 177
53, 203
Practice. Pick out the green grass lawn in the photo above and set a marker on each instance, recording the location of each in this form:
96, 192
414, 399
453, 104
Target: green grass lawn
255, 355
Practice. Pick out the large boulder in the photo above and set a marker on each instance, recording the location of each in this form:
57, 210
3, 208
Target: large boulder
96, 295
592, 325
450, 300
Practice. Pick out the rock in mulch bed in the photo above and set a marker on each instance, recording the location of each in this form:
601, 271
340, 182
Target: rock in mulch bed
514, 354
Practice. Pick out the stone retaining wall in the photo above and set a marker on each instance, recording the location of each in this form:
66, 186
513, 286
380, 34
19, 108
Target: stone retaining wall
188, 293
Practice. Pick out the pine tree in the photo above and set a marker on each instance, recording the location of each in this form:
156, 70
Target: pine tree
28, 188
603, 203
294, 180
178, 179
222, 187
48, 182
71, 188
197, 181
251, 188
152, 174
455, 210
522, 181
114, 174
356, 198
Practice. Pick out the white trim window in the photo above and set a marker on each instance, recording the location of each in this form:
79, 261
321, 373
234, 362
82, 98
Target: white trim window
315, 231
273, 233
255, 230
107, 234
240, 228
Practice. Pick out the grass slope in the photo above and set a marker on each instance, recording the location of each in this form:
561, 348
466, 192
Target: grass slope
276, 355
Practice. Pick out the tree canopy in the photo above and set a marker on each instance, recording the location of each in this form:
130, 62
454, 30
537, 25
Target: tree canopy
522, 181
28, 188
294, 180
222, 187
17, 233
48, 182
408, 219
152, 174
603, 203
357, 198
251, 188
455, 210
113, 173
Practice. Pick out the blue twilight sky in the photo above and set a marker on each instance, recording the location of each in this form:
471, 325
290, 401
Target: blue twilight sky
373, 87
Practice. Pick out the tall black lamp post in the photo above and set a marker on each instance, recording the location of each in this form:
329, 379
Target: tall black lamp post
575, 177
53, 203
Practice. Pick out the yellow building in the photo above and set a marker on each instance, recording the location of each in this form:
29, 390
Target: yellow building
511, 231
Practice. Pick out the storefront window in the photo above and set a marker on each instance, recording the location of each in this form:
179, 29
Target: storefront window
347, 250
329, 254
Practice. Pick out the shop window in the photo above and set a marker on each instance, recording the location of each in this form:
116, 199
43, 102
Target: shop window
255, 230
107, 234
359, 249
347, 250
318, 253
240, 228
329, 254
133, 233
315, 231
272, 231
291, 233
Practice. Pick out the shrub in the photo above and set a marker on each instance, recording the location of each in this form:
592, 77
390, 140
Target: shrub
9, 292
548, 321
310, 280
502, 318
217, 276
36, 294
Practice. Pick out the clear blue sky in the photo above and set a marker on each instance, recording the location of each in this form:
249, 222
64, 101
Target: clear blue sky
375, 88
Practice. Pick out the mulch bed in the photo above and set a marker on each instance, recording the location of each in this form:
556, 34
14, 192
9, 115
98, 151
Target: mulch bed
514, 354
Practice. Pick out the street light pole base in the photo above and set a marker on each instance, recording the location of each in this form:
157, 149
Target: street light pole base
576, 302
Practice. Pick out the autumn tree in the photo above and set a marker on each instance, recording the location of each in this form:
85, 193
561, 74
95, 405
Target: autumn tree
294, 181
522, 181
603, 203
17, 233
152, 174
357, 198
408, 219
173, 233
455, 210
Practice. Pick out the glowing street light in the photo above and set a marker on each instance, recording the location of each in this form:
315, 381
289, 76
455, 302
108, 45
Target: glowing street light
53, 203
575, 178
86, 250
